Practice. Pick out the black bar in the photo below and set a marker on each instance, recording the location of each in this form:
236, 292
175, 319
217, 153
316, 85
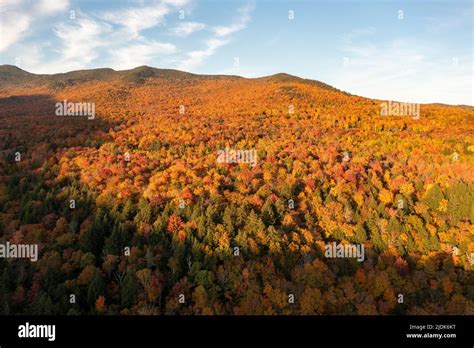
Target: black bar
224, 330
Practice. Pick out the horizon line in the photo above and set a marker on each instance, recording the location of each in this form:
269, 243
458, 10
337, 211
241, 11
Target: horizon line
235, 76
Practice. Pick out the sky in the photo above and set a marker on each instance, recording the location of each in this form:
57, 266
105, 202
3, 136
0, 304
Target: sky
412, 51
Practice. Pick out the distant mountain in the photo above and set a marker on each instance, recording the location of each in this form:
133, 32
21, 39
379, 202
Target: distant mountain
282, 83
11, 75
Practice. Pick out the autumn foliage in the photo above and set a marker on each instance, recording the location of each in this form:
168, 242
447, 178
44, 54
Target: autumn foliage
159, 221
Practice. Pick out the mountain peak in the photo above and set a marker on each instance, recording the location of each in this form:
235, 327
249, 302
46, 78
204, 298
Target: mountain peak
284, 77
12, 70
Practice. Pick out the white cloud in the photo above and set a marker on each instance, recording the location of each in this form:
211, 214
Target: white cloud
81, 37
29, 56
403, 70
85, 39
13, 29
241, 23
16, 18
195, 58
221, 37
187, 28
14, 23
136, 19
140, 54
47, 7
81, 41
113, 37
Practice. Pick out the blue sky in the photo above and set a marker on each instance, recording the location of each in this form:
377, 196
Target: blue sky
414, 51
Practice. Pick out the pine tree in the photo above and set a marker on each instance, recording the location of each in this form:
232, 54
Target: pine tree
360, 234
144, 213
96, 288
128, 290
42, 305
269, 212
128, 210
228, 218
118, 239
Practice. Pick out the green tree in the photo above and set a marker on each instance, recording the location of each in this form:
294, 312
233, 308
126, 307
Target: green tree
269, 212
128, 290
96, 288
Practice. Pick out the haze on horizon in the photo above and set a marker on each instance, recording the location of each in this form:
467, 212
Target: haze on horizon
413, 51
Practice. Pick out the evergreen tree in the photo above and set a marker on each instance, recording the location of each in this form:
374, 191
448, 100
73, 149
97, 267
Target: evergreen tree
96, 288
269, 212
117, 241
144, 213
42, 305
228, 218
128, 290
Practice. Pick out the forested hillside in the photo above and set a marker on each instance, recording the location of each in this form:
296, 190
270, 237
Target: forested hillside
134, 213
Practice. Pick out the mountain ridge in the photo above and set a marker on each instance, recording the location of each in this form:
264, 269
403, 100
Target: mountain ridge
11, 75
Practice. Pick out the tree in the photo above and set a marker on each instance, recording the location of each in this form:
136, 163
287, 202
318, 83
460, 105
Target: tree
100, 305
42, 305
269, 212
175, 224
311, 302
128, 290
118, 240
96, 288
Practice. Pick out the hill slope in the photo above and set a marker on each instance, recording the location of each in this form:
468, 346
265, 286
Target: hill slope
228, 191
12, 76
